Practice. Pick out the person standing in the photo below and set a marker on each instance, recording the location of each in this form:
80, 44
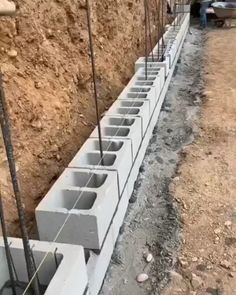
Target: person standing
203, 12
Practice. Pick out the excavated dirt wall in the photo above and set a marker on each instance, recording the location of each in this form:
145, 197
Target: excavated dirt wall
47, 78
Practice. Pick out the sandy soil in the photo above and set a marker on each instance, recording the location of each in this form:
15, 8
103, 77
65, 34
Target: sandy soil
185, 212
45, 62
205, 187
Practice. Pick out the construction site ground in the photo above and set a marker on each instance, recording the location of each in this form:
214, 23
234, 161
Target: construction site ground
184, 205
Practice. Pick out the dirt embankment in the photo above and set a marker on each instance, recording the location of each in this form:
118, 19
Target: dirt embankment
45, 62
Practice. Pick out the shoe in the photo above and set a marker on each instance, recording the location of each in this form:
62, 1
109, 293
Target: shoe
7, 8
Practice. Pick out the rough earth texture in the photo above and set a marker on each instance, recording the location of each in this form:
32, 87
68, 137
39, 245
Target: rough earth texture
45, 62
205, 186
185, 215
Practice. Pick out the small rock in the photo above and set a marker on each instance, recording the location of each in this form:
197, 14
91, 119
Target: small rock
125, 281
196, 281
142, 278
149, 257
37, 125
230, 241
231, 274
37, 85
175, 276
12, 53
194, 259
228, 223
201, 267
226, 264
183, 262
217, 231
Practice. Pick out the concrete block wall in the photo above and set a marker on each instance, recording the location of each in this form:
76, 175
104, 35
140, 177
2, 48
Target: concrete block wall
90, 198
63, 271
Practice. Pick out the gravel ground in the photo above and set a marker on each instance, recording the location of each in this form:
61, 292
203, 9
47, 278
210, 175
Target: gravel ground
153, 223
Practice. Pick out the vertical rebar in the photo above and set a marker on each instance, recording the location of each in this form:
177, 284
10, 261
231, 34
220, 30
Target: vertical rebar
94, 78
174, 16
149, 29
162, 29
146, 38
158, 28
7, 248
6, 132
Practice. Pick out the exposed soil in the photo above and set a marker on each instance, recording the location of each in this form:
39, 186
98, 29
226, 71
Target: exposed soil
206, 182
45, 62
185, 216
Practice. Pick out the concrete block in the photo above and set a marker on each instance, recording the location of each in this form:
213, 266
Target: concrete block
121, 127
63, 271
117, 156
140, 63
144, 93
83, 201
132, 108
153, 73
156, 80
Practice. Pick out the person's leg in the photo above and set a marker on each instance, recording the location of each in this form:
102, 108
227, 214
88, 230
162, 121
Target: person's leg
203, 14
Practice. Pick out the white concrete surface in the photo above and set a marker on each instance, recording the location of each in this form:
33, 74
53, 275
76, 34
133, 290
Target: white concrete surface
70, 277
117, 156
83, 202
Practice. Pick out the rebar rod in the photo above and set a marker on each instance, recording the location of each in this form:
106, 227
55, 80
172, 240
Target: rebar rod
158, 27
7, 247
146, 38
92, 57
6, 132
162, 29
149, 29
